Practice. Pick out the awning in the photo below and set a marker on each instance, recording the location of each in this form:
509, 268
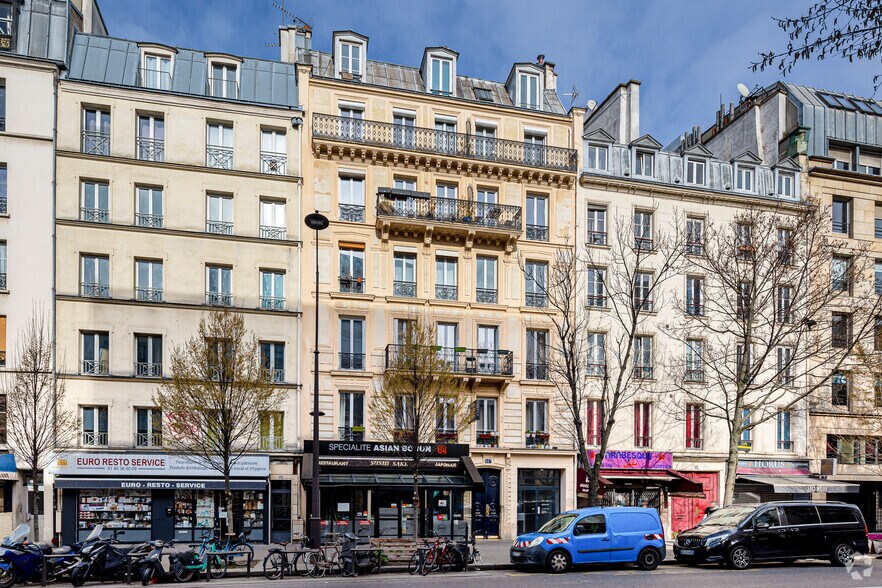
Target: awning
802, 484
678, 484
165, 484
456, 473
8, 470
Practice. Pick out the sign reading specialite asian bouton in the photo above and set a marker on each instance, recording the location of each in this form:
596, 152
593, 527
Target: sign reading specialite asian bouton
150, 464
372, 449
634, 460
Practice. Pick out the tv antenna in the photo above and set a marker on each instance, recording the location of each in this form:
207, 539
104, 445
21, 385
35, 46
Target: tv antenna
287, 15
573, 94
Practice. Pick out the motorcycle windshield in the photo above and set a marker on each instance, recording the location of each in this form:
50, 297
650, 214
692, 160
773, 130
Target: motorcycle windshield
19, 534
96, 533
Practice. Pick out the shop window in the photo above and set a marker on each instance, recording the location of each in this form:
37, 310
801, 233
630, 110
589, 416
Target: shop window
194, 514
116, 509
280, 504
253, 508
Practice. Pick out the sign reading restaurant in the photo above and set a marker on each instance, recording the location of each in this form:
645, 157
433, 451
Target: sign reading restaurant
150, 464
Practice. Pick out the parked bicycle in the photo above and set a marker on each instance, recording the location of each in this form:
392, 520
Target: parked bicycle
195, 561
241, 545
326, 559
279, 562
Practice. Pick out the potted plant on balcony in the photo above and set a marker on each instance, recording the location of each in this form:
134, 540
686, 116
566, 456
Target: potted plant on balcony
446, 436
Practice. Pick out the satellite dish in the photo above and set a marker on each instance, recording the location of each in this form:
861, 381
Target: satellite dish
592, 105
742, 89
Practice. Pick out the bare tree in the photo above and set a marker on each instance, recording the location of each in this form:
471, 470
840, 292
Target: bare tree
849, 29
590, 355
217, 396
38, 422
780, 308
419, 400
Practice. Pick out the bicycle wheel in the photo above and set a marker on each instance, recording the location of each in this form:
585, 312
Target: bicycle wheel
413, 565
445, 562
272, 566
183, 574
299, 565
429, 562
218, 567
315, 564
242, 556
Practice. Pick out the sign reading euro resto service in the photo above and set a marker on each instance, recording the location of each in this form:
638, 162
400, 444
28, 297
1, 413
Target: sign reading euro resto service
150, 464
634, 460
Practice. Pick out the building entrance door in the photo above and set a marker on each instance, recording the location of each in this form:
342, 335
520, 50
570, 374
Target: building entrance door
688, 512
486, 507
538, 498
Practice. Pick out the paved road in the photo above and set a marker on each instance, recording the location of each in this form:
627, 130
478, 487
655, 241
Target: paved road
866, 572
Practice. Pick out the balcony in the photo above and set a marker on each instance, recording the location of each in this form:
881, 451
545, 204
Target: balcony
463, 360
96, 143
595, 369
693, 309
597, 300
219, 227
537, 439
271, 443
148, 149
445, 292
3, 206
154, 79
694, 375
693, 443
351, 213
148, 370
643, 442
409, 208
150, 221
275, 375
94, 439
94, 366
218, 299
354, 433
273, 163
3, 281
272, 303
487, 439
148, 294
446, 435
404, 289
536, 299
537, 371
94, 290
94, 215
643, 244
597, 237
537, 233
352, 284
435, 142
642, 372
148, 439
219, 157
352, 361
486, 295
268, 232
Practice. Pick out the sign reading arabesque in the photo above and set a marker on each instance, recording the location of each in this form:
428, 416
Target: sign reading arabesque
150, 464
634, 460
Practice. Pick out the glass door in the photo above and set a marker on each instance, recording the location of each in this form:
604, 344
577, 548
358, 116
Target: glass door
446, 340
488, 339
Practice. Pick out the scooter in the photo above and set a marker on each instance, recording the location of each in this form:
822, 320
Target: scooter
152, 570
23, 561
105, 561
354, 560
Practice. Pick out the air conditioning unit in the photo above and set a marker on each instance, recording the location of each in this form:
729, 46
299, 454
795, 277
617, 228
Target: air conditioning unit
829, 466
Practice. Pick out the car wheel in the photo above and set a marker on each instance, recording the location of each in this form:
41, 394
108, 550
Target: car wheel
843, 555
739, 557
648, 559
558, 561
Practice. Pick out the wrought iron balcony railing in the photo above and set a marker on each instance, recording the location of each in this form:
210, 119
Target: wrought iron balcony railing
536, 299
597, 237
148, 439
272, 303
694, 248
219, 227
275, 375
643, 243
695, 309
643, 372
424, 140
407, 204
597, 300
148, 294
445, 292
91, 438
785, 445
94, 215
148, 370
150, 149
218, 299
694, 375
536, 439
404, 289
94, 366
593, 368
223, 88
351, 361
352, 284
537, 371
462, 360
3, 206
271, 443
642, 441
219, 157
94, 290
3, 281
486, 295
152, 221
693, 443
537, 233
350, 433
352, 213
96, 143
267, 232
154, 79
273, 163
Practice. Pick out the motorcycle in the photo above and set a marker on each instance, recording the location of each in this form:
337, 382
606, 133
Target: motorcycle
152, 570
105, 561
357, 560
23, 561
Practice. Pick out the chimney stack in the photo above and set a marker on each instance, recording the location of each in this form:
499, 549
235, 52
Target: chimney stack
540, 59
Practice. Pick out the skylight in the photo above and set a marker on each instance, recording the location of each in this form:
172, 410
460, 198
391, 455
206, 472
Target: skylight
483, 94
845, 103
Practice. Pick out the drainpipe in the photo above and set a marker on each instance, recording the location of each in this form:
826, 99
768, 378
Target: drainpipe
53, 320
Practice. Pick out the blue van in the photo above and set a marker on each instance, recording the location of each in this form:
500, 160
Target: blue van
594, 535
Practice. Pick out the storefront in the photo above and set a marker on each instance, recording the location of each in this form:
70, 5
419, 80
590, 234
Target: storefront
367, 489
8, 486
764, 480
158, 496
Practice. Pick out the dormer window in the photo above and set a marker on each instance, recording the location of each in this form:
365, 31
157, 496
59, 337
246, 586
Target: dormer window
223, 81
350, 58
786, 184
597, 156
6, 25
440, 80
644, 164
156, 71
695, 171
528, 90
744, 178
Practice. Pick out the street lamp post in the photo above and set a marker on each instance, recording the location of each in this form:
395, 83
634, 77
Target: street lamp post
317, 222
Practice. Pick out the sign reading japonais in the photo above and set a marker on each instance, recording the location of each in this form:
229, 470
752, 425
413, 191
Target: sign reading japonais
150, 464
634, 460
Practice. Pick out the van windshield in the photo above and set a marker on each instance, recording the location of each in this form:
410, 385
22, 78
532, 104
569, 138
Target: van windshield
558, 524
728, 516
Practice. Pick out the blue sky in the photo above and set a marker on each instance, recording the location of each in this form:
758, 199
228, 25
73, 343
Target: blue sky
686, 53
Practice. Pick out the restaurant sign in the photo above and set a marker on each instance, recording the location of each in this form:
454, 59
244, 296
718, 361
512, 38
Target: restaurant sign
372, 449
633, 460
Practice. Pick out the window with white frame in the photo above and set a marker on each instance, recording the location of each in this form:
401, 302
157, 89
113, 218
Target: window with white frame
404, 131
350, 416
352, 122
485, 415
352, 268
537, 217
597, 156
694, 360
352, 343
96, 131
95, 352
148, 280
157, 72
445, 278
6, 20
272, 219
148, 207
744, 178
746, 430
219, 146
786, 184
695, 295
446, 139
535, 285
644, 164
534, 148
486, 291
404, 278
643, 230
273, 158
446, 416
782, 425
150, 141
351, 198
148, 356
148, 427
94, 424
643, 291
596, 286
350, 58
96, 202
404, 413
597, 225
440, 76
596, 361
528, 90
643, 357
272, 430
272, 289
95, 276
218, 285
535, 416
694, 236
537, 354
784, 301
695, 171
272, 357
785, 365
642, 424
223, 81
485, 141
219, 214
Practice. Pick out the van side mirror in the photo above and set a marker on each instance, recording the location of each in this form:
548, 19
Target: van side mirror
761, 526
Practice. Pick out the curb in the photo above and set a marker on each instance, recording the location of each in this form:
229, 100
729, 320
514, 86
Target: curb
258, 574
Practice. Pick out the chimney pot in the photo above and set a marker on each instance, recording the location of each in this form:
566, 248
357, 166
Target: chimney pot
540, 59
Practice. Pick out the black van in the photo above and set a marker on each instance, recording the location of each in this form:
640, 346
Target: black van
777, 531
